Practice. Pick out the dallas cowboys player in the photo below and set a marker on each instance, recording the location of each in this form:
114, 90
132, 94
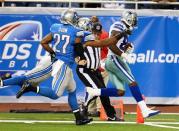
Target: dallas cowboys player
117, 67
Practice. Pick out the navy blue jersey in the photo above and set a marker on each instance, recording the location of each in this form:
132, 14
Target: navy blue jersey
64, 36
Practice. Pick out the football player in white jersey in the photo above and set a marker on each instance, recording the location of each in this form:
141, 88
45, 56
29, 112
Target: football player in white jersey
117, 65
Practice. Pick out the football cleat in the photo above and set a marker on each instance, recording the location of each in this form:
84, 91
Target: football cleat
114, 119
149, 113
84, 121
6, 76
81, 118
83, 111
26, 87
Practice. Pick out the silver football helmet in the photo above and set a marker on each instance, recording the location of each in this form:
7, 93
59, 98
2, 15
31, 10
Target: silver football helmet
85, 23
69, 16
130, 18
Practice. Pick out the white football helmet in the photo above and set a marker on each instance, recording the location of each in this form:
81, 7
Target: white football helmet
69, 16
130, 18
85, 23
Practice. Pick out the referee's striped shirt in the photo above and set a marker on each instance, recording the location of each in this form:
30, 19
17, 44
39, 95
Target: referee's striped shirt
92, 54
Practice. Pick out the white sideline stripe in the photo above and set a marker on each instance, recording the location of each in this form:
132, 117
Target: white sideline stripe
154, 124
96, 122
40, 121
134, 113
163, 126
172, 123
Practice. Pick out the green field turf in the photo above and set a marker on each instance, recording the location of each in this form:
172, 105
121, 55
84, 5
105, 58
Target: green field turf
170, 123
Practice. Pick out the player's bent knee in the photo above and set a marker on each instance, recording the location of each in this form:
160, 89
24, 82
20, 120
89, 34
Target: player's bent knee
71, 90
59, 94
54, 97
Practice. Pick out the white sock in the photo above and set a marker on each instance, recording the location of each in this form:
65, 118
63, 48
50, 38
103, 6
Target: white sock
94, 92
1, 82
143, 105
38, 89
98, 92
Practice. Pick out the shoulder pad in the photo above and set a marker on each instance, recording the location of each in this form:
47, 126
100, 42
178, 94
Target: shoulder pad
54, 27
80, 34
118, 26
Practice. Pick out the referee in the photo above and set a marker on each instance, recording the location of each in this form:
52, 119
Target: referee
90, 74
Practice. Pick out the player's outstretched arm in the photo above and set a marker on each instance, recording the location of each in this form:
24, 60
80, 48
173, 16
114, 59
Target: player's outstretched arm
106, 42
78, 47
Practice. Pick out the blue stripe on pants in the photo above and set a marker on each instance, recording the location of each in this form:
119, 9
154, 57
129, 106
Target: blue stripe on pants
60, 78
122, 69
40, 73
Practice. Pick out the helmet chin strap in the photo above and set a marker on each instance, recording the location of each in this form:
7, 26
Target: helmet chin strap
127, 24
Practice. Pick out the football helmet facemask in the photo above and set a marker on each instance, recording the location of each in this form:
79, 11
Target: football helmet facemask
130, 18
85, 23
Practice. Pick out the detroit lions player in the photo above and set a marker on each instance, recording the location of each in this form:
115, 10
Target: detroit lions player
117, 67
65, 36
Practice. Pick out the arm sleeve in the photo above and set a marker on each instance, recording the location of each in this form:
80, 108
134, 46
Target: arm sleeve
79, 50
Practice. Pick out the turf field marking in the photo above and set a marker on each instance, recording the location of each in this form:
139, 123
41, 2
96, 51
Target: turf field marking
154, 124
97, 122
163, 126
41, 121
172, 123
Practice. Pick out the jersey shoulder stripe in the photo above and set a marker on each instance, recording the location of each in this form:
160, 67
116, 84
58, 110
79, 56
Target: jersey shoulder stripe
118, 26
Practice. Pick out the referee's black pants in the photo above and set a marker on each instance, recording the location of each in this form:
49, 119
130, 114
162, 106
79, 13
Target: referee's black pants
93, 78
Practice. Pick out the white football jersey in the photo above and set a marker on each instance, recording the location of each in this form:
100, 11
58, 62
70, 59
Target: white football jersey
120, 27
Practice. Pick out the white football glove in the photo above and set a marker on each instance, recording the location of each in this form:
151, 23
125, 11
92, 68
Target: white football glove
128, 58
130, 49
